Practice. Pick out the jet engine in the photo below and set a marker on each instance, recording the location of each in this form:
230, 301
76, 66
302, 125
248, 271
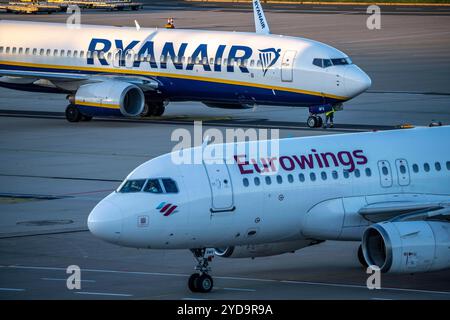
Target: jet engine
263, 250
116, 98
407, 246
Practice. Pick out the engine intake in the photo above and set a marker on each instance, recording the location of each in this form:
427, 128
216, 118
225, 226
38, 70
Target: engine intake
408, 246
111, 97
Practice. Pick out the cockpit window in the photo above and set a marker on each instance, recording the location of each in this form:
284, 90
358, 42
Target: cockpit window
153, 186
325, 63
132, 186
170, 185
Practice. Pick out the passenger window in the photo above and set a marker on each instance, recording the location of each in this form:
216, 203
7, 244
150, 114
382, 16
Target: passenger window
41, 52
279, 179
20, 50
55, 53
402, 169
334, 174
81, 54
357, 173
426, 167
290, 178
27, 51
34, 52
75, 54
368, 172
448, 165
268, 180
49, 52
346, 174
301, 177
257, 182
252, 63
312, 176
132, 186
437, 165
385, 170
323, 174
170, 185
1, 49
14, 50
245, 182
415, 168
62, 53
153, 186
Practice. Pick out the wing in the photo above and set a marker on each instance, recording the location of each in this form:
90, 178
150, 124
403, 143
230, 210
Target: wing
19, 76
406, 210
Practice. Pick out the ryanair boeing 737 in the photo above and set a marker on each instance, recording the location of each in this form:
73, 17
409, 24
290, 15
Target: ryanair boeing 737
132, 72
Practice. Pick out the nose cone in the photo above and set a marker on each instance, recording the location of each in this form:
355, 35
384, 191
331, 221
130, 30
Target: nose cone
356, 81
105, 221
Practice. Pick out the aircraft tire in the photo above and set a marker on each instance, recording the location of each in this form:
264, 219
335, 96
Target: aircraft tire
204, 283
73, 114
192, 282
319, 121
361, 259
312, 122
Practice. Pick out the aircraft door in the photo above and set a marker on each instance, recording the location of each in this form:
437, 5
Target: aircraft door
221, 186
402, 172
287, 73
385, 172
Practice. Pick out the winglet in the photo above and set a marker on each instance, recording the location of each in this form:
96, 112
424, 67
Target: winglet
261, 24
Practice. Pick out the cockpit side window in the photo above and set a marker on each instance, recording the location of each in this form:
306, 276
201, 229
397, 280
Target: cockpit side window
170, 185
327, 63
132, 186
318, 62
340, 61
153, 186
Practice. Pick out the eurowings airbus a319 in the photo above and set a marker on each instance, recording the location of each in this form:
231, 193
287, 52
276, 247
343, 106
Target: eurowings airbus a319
123, 71
390, 190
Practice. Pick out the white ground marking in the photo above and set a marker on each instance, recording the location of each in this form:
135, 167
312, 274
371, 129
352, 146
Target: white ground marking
342, 285
240, 289
104, 294
11, 289
62, 279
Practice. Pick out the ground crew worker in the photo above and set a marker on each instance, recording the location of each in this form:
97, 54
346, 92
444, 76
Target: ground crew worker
329, 116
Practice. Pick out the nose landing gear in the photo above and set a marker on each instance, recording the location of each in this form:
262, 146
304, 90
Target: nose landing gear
202, 281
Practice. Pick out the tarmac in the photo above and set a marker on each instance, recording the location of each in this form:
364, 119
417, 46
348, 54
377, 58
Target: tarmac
53, 172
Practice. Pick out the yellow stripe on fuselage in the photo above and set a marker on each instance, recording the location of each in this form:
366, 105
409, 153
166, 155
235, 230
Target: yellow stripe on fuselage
174, 75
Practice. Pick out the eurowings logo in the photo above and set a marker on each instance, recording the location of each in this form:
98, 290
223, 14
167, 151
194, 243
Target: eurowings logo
166, 208
268, 58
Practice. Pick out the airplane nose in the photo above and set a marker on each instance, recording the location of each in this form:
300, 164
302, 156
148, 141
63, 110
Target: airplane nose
105, 221
356, 81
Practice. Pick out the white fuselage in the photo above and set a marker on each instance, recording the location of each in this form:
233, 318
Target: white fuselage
316, 190
208, 66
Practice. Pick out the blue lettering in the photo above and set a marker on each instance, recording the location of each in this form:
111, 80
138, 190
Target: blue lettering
148, 51
218, 58
247, 53
123, 51
168, 50
201, 50
93, 48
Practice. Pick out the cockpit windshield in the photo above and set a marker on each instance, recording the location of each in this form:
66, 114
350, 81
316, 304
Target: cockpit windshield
325, 63
153, 186
156, 185
132, 186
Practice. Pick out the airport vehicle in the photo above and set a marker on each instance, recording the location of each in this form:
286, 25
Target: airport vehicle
389, 189
123, 71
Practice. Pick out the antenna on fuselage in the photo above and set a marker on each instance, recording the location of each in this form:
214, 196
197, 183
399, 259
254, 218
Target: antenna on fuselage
261, 25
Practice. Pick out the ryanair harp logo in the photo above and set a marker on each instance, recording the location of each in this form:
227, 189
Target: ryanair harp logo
268, 58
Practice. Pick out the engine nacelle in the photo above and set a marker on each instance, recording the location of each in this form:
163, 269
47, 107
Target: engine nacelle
110, 98
408, 246
263, 250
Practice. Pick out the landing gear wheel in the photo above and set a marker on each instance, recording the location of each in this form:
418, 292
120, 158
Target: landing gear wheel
312, 122
361, 258
319, 121
204, 283
159, 111
192, 283
73, 114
